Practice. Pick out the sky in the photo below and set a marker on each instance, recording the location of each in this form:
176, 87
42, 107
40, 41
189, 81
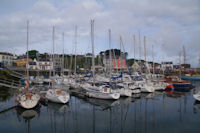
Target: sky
168, 25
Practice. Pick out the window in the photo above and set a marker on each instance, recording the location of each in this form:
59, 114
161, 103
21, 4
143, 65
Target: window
3, 57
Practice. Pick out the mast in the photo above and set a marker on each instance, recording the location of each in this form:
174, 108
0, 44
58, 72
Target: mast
163, 61
92, 41
114, 59
184, 54
199, 60
110, 58
63, 35
53, 51
145, 49
180, 66
120, 54
139, 48
145, 60
184, 57
70, 65
134, 46
153, 60
27, 71
75, 41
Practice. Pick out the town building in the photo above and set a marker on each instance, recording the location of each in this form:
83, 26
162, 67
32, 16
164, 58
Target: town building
22, 62
6, 59
117, 61
40, 65
167, 66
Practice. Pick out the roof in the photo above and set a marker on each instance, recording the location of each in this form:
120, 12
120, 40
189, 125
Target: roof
6, 53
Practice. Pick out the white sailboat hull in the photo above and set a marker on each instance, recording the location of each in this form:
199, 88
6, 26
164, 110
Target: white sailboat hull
197, 96
123, 92
136, 90
57, 96
28, 100
100, 95
147, 88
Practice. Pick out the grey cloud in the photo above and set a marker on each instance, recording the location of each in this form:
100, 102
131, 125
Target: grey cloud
173, 23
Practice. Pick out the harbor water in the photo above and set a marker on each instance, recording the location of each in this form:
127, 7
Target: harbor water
143, 113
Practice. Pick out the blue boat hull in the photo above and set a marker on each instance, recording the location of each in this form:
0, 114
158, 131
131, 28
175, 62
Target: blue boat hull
190, 78
182, 87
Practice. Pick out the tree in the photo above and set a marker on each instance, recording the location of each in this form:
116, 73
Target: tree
32, 54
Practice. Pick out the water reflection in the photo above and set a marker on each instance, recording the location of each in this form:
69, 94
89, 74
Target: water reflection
196, 107
5, 93
27, 114
153, 112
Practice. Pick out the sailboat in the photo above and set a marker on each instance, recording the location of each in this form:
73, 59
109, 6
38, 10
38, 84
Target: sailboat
178, 83
146, 86
101, 91
27, 99
55, 94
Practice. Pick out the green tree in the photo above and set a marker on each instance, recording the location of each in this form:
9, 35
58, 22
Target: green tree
32, 54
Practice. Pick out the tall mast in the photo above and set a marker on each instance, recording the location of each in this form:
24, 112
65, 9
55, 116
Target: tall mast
184, 55
75, 41
110, 59
145, 49
145, 52
139, 47
180, 65
70, 66
27, 71
163, 45
63, 35
134, 45
120, 53
114, 59
184, 58
199, 60
153, 60
92, 41
53, 51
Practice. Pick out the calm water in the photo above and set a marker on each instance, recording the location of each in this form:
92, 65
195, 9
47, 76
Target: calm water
156, 112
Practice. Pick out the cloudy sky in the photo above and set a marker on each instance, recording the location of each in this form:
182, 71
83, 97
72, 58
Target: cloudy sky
167, 24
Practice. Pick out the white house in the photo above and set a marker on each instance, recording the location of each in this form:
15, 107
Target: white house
40, 65
6, 59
